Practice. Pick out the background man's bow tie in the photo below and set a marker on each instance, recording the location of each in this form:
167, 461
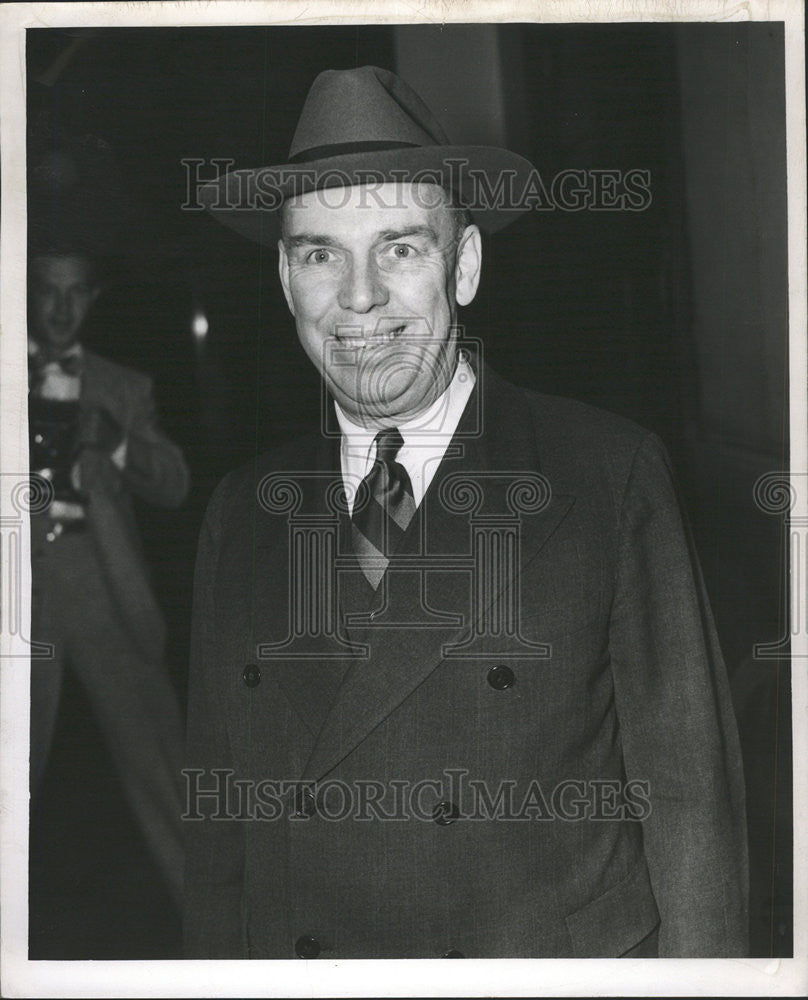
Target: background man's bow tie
70, 364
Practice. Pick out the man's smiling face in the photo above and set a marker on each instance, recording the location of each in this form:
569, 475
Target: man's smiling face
373, 284
62, 290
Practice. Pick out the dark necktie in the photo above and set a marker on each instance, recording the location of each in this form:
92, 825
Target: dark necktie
383, 508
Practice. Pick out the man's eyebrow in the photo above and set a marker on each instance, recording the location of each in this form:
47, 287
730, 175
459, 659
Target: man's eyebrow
310, 239
386, 235
417, 230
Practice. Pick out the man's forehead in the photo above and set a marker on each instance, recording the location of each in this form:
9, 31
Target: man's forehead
64, 267
382, 207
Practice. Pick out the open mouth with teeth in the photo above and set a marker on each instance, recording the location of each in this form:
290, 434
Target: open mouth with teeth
377, 338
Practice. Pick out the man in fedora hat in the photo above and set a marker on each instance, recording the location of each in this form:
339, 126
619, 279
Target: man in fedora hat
455, 686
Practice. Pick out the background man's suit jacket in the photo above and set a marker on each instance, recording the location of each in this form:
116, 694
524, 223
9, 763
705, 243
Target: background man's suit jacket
92, 600
155, 471
634, 688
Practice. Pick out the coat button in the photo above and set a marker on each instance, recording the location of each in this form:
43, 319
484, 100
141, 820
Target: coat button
501, 677
251, 675
304, 803
445, 813
55, 531
307, 947
453, 953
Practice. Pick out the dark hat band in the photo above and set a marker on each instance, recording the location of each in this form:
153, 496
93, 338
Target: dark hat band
345, 148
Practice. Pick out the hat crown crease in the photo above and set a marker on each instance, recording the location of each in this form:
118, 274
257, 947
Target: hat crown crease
360, 106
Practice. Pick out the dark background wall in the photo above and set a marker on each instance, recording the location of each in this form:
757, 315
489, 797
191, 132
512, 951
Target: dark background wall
674, 316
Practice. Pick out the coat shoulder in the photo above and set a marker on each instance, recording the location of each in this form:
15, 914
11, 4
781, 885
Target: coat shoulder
238, 492
568, 434
564, 422
114, 374
582, 450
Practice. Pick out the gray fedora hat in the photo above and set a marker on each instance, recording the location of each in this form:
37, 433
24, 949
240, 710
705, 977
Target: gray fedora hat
362, 126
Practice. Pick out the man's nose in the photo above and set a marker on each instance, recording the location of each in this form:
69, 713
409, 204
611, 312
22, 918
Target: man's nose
62, 307
362, 288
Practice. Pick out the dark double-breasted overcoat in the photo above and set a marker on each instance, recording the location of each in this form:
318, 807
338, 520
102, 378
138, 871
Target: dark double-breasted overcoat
529, 751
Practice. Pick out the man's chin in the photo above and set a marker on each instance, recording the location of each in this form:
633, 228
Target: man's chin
392, 407
60, 340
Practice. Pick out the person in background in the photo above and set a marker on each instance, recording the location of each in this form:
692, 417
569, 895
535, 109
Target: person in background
95, 438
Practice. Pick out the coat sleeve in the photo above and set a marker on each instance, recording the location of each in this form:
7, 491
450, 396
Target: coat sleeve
677, 725
155, 469
214, 848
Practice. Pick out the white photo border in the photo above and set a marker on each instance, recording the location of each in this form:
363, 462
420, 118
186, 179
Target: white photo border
393, 978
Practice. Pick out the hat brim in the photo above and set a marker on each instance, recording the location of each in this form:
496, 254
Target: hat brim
489, 181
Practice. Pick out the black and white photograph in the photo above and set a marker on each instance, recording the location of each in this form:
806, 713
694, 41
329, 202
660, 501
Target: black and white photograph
404, 499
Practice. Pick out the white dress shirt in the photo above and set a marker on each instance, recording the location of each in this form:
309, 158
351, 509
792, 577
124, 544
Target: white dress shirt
426, 437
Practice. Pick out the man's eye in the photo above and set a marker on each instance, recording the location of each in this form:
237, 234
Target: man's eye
320, 256
402, 250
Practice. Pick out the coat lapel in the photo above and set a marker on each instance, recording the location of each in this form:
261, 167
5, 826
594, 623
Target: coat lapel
401, 657
307, 663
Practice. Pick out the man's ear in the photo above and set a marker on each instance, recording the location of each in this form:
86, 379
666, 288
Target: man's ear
468, 265
283, 271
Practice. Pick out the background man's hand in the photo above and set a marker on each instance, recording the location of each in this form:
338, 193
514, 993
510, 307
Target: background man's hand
101, 430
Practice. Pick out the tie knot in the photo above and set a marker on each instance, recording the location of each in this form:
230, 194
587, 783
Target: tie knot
388, 444
70, 364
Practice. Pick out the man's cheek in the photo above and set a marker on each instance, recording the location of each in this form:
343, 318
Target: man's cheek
316, 330
314, 297
432, 314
